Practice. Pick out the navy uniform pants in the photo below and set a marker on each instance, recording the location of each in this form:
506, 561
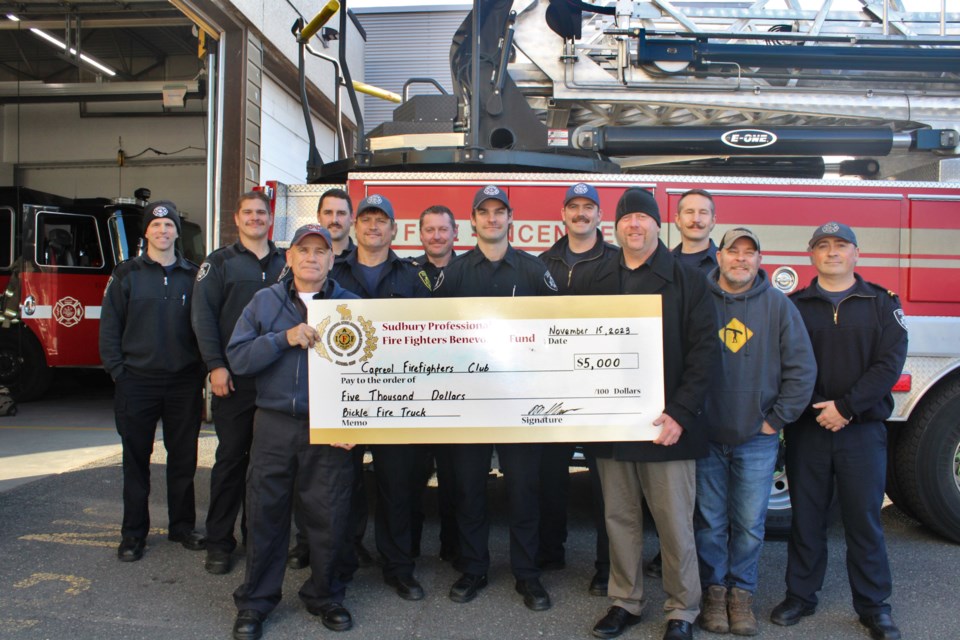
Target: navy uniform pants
520, 464
399, 474
233, 421
139, 402
855, 460
282, 457
554, 496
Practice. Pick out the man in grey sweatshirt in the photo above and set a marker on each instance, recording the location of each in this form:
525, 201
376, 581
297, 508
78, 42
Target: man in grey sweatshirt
768, 373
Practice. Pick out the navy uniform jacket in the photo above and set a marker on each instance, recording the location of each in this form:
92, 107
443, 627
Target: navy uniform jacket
860, 347
226, 282
399, 279
517, 274
145, 319
259, 346
578, 278
691, 354
707, 263
433, 271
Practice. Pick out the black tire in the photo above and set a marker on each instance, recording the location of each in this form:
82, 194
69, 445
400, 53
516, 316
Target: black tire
928, 460
23, 365
779, 512
893, 490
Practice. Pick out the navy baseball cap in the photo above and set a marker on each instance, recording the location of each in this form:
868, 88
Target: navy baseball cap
582, 190
833, 230
733, 235
491, 192
311, 230
378, 202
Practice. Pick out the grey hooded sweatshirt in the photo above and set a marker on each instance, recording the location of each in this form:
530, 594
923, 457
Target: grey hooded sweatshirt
767, 364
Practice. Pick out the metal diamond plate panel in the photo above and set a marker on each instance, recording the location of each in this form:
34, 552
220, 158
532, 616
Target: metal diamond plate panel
296, 206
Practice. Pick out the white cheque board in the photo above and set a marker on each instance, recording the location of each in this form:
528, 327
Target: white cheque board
461, 370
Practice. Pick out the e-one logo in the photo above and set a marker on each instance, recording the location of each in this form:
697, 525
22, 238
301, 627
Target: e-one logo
748, 138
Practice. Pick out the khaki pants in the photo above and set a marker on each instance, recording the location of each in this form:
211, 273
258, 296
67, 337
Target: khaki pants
670, 490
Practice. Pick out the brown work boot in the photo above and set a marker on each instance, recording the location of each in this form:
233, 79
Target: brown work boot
713, 611
740, 607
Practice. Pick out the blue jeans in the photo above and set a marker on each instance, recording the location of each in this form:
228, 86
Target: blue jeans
733, 488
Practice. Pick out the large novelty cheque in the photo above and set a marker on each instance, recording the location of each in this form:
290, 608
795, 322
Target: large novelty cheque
537, 369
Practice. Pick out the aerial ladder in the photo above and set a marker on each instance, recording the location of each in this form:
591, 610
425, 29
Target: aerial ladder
627, 85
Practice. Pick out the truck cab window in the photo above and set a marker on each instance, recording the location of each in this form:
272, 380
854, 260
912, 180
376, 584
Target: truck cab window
6, 238
68, 240
125, 235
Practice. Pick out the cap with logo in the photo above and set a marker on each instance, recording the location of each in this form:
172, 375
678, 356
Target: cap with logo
161, 210
377, 202
582, 190
637, 200
491, 192
833, 230
733, 235
311, 230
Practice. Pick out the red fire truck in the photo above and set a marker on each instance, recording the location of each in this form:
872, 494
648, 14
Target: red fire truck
743, 100
908, 232
56, 255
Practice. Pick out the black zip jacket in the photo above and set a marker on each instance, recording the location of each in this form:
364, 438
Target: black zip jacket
225, 284
691, 354
145, 319
433, 271
577, 278
707, 263
860, 346
400, 278
518, 274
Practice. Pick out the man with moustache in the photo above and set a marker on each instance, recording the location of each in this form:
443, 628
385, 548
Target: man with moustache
373, 270
696, 218
662, 471
572, 262
225, 284
766, 379
335, 212
270, 342
148, 347
839, 444
494, 268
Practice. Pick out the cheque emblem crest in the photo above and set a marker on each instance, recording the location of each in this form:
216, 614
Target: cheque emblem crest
345, 341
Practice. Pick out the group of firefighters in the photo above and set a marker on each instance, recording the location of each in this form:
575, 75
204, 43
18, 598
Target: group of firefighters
743, 364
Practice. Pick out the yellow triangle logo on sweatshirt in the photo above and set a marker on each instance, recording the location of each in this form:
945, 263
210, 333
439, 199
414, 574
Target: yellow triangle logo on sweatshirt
735, 335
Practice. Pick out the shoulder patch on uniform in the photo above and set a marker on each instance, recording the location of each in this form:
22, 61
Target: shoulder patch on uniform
900, 318
204, 270
550, 282
425, 279
109, 282
283, 274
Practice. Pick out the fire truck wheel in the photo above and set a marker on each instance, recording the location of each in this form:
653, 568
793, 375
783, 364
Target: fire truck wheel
779, 512
23, 367
928, 461
893, 489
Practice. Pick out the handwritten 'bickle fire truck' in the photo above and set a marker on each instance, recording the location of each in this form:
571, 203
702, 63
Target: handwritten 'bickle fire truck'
56, 255
743, 99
